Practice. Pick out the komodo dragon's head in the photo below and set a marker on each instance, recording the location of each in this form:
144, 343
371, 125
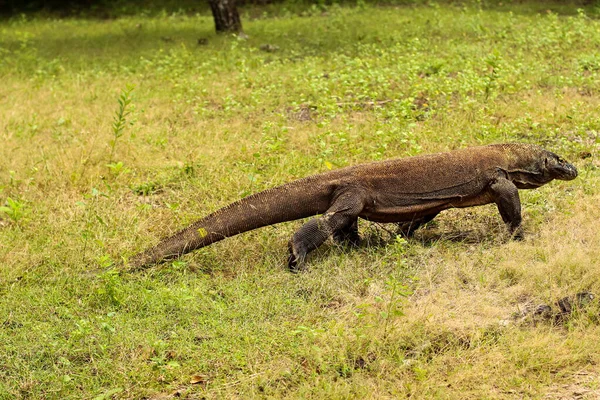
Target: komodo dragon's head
535, 167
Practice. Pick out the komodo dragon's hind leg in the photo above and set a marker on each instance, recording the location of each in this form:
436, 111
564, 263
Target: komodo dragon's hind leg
339, 218
407, 229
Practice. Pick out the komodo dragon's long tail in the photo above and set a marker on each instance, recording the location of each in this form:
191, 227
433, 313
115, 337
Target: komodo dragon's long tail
298, 199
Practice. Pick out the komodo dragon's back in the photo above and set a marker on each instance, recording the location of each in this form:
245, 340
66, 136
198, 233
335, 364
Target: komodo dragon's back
409, 190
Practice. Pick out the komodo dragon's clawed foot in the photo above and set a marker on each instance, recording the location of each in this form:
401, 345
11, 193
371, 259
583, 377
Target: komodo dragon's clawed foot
296, 258
312, 235
309, 237
517, 234
292, 263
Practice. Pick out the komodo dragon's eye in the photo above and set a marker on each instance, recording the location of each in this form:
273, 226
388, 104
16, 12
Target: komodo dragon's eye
553, 160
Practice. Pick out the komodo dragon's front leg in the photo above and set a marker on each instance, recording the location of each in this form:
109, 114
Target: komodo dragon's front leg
506, 196
340, 219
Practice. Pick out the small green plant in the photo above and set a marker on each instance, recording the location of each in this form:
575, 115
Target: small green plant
120, 119
146, 188
14, 209
398, 292
493, 64
117, 168
83, 330
162, 357
111, 282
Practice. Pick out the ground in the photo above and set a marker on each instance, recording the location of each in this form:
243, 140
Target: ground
205, 120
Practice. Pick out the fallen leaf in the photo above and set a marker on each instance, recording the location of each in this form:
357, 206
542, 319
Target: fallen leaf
198, 379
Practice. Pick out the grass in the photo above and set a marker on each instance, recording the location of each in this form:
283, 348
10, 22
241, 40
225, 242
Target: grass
207, 124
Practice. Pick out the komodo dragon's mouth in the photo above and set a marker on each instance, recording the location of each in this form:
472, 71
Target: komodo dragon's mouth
565, 171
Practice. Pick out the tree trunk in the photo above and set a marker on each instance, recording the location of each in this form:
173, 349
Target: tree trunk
226, 16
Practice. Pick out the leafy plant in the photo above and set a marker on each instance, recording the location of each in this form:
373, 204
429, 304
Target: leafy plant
146, 188
111, 283
398, 292
490, 79
117, 168
120, 119
14, 209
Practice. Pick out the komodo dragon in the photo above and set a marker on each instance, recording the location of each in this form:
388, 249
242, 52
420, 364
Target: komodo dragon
408, 190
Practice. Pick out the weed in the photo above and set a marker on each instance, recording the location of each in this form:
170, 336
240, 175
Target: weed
120, 122
146, 189
117, 168
111, 283
398, 293
13, 209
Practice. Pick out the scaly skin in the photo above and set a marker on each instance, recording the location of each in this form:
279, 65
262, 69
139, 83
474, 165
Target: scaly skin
410, 191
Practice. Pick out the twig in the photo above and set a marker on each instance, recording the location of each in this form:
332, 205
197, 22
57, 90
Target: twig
365, 103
